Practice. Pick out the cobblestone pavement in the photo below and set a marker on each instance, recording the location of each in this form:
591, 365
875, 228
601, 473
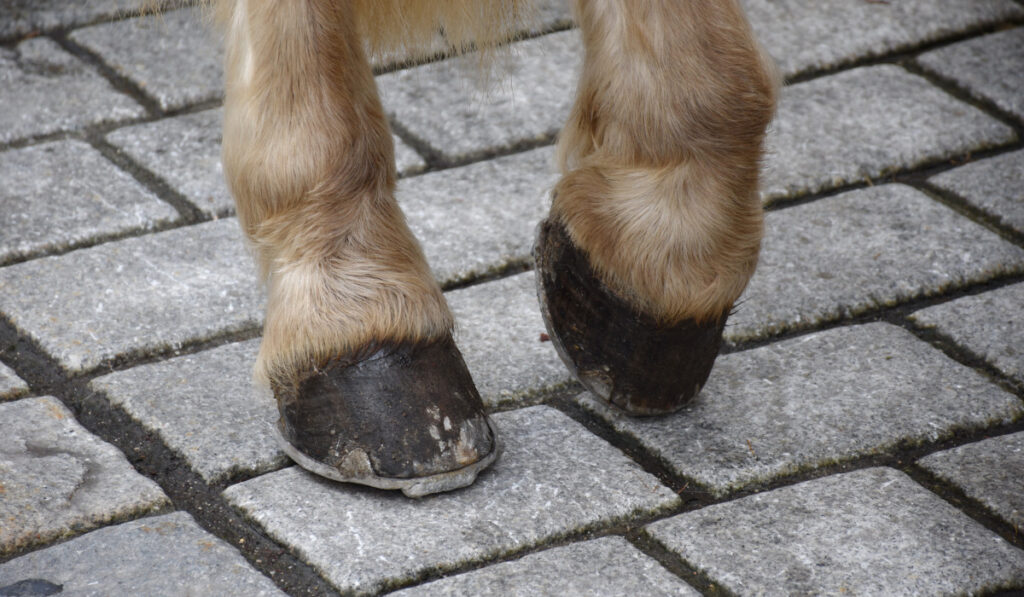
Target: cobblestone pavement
862, 434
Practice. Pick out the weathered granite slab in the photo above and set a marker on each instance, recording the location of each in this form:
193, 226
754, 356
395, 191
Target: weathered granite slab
554, 478
815, 400
160, 555
26, 17
59, 195
995, 185
58, 480
870, 532
11, 386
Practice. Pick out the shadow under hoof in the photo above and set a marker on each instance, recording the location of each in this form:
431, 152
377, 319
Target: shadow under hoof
621, 355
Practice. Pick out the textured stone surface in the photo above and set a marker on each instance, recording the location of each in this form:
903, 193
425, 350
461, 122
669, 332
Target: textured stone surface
553, 478
865, 123
161, 555
814, 400
529, 104
58, 195
993, 185
870, 532
23, 17
134, 296
11, 386
480, 218
608, 566
57, 479
807, 35
989, 471
988, 324
989, 67
846, 254
46, 90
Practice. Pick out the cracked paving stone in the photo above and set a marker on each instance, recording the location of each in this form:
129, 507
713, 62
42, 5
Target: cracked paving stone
136, 296
184, 151
59, 195
869, 532
989, 471
816, 400
988, 324
159, 555
11, 386
844, 255
553, 479
993, 185
990, 67
46, 90
26, 17
57, 479
606, 566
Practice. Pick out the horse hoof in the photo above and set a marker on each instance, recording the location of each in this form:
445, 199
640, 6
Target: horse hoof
621, 355
407, 417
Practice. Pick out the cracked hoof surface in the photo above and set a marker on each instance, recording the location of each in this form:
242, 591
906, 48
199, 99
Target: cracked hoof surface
407, 417
621, 355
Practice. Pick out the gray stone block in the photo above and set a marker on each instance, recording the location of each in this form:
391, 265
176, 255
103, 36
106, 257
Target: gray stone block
989, 471
864, 123
135, 296
57, 479
815, 400
809, 35
59, 195
607, 566
554, 478
870, 532
160, 555
844, 255
477, 219
989, 67
993, 185
26, 17
988, 324
11, 386
46, 90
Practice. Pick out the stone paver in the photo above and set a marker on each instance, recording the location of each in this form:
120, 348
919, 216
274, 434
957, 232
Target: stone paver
608, 566
989, 324
58, 195
553, 478
990, 471
11, 386
46, 90
57, 479
861, 250
870, 532
814, 400
134, 296
989, 67
993, 185
161, 555
24, 17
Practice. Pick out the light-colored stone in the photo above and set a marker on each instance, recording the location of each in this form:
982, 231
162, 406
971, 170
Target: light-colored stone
161, 555
815, 400
995, 185
553, 478
26, 17
870, 532
11, 386
59, 195
57, 479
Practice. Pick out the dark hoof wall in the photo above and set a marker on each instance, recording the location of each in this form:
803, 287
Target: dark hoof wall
624, 357
406, 417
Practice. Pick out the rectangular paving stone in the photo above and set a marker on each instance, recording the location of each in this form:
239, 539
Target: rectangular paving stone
553, 478
57, 479
135, 296
59, 195
815, 400
478, 219
184, 151
865, 123
988, 324
24, 17
990, 471
869, 532
994, 185
46, 90
847, 254
160, 555
606, 566
989, 67
11, 386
